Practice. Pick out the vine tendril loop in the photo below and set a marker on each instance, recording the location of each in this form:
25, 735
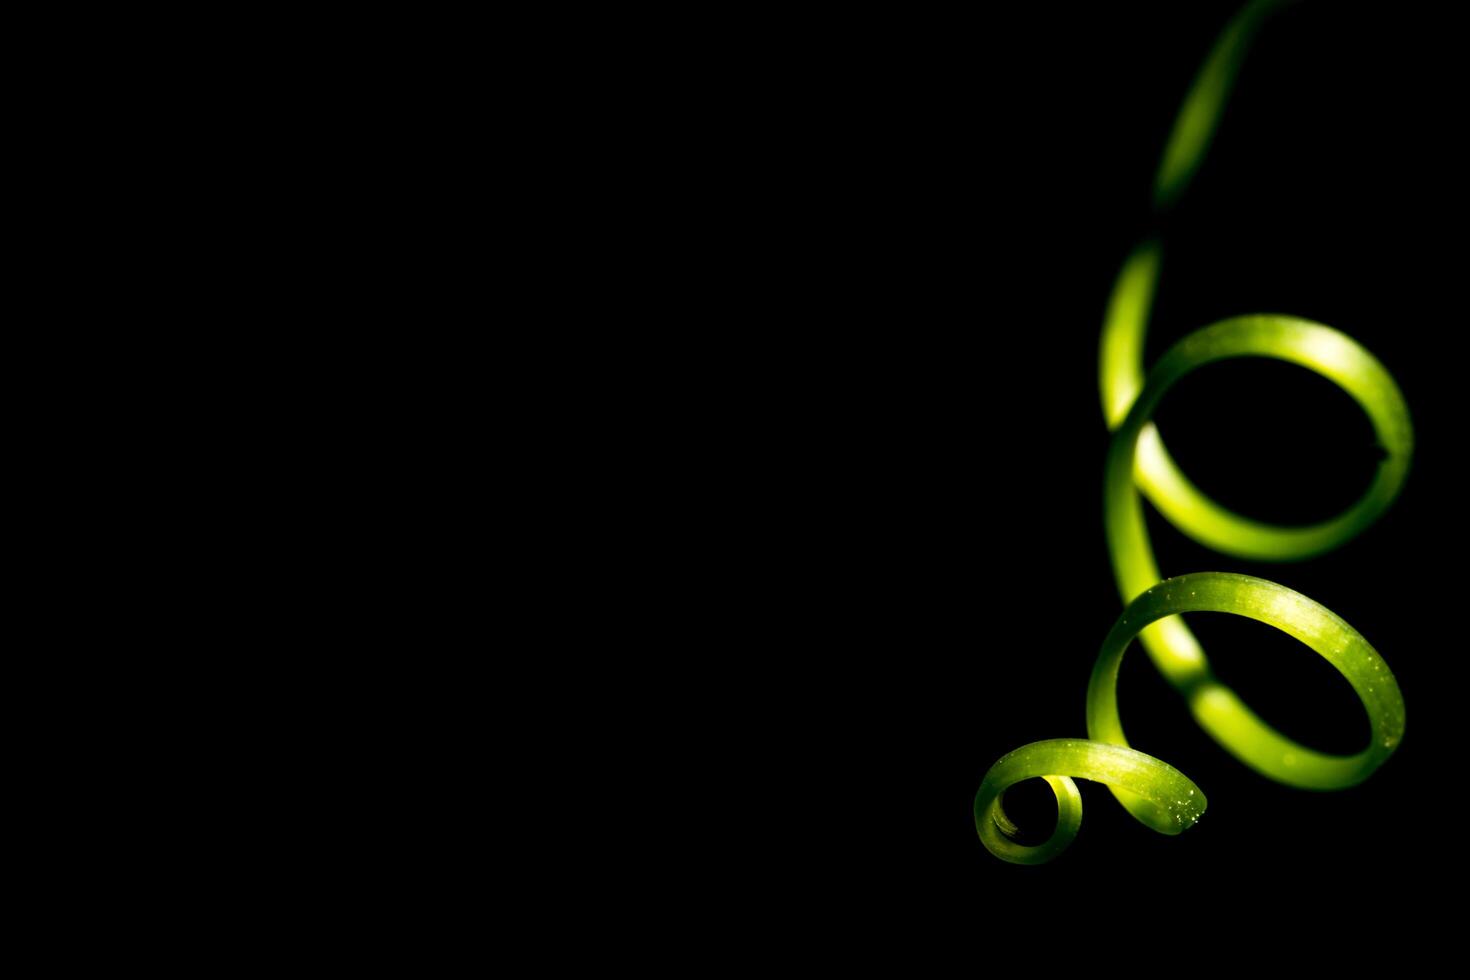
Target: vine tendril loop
1138, 465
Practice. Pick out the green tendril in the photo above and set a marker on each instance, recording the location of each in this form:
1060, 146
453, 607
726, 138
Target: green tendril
1138, 465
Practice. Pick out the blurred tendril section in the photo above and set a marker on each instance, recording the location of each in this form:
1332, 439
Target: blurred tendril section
1138, 465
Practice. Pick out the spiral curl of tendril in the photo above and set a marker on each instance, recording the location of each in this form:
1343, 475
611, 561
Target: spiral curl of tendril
1157, 794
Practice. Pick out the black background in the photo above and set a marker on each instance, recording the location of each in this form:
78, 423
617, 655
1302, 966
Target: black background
955, 199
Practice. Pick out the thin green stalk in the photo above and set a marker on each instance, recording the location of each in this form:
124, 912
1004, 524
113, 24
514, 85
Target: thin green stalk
1139, 465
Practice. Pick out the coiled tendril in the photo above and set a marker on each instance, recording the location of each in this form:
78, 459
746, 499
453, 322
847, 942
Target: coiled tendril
1155, 793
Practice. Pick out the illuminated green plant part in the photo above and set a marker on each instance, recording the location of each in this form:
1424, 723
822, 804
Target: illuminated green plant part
1158, 794
1170, 644
1217, 708
1194, 126
1313, 346
1155, 793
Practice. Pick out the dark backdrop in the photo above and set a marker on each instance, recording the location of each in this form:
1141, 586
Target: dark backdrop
955, 199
